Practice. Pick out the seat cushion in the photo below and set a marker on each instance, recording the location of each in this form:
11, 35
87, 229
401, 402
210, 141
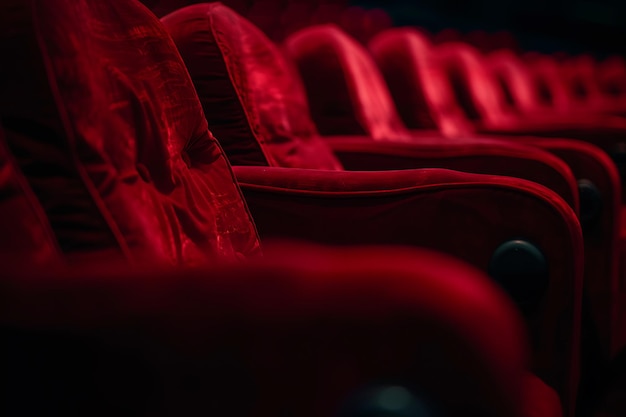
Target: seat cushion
104, 120
251, 96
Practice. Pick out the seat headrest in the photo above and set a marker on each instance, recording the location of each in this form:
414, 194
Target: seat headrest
505, 66
347, 93
474, 88
402, 55
251, 94
97, 96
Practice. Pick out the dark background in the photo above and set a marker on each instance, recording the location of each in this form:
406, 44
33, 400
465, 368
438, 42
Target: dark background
570, 26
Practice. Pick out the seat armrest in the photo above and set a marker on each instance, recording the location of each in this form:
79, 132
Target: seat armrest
600, 190
607, 132
200, 339
481, 156
469, 216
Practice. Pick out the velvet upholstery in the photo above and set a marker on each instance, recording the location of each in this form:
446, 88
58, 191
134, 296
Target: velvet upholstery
483, 101
399, 52
24, 228
413, 72
269, 123
402, 207
349, 109
611, 78
405, 51
131, 167
254, 338
332, 41
467, 90
559, 114
578, 75
481, 156
544, 73
465, 95
99, 95
427, 102
542, 87
369, 206
246, 92
491, 107
515, 81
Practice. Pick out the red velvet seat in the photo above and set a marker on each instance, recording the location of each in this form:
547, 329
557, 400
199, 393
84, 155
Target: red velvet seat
484, 103
162, 340
571, 112
419, 85
573, 82
261, 117
545, 76
318, 65
175, 161
107, 138
611, 79
253, 339
516, 81
578, 75
286, 136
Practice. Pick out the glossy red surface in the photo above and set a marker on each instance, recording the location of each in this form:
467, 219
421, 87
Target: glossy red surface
136, 169
255, 107
106, 157
297, 331
361, 205
406, 52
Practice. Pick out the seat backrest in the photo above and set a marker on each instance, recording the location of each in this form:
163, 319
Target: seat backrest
96, 92
346, 92
474, 88
546, 80
578, 75
611, 77
514, 79
251, 95
421, 91
25, 231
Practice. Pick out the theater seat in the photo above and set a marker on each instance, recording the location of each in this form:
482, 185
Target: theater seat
101, 303
318, 65
410, 67
574, 81
103, 337
306, 330
570, 113
544, 74
232, 63
516, 81
108, 139
611, 79
481, 99
578, 75
274, 89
